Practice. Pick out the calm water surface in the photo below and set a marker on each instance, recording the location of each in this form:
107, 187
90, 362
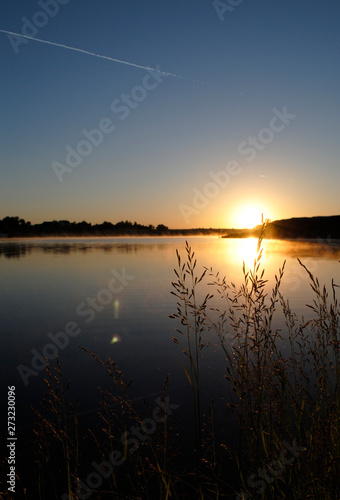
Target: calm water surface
114, 296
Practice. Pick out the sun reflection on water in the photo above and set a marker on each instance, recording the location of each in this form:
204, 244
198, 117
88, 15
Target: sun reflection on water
246, 251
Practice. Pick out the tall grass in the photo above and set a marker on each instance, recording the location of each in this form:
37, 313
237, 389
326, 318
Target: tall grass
65, 457
284, 385
57, 437
192, 318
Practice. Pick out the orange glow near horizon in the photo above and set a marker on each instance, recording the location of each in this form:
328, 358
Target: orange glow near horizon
248, 216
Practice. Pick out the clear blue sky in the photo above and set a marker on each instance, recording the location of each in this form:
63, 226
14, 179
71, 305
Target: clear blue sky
170, 139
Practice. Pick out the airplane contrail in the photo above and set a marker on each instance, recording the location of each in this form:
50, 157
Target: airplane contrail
100, 56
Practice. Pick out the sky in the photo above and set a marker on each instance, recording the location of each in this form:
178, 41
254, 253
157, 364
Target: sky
225, 110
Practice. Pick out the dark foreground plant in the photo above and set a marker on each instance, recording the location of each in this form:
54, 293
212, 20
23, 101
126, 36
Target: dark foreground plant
125, 455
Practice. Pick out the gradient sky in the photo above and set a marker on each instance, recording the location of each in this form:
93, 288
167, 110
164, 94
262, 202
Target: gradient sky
262, 56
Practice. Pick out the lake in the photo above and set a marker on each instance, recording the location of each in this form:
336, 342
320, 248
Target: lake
112, 297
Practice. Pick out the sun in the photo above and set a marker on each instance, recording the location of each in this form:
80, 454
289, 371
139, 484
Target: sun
248, 216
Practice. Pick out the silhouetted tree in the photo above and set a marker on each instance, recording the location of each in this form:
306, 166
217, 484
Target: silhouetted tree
162, 229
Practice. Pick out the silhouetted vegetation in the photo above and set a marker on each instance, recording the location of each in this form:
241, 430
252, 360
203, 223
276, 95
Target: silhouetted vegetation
12, 227
283, 384
15, 227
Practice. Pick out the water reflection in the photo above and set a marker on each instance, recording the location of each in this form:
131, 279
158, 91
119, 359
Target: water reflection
10, 250
327, 249
245, 251
43, 293
116, 307
19, 249
237, 250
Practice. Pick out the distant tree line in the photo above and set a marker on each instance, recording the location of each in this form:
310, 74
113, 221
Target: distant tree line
327, 227
16, 227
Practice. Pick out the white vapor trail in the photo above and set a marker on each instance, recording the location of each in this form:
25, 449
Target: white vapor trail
99, 55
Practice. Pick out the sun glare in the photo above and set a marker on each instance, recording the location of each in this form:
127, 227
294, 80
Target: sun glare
248, 216
247, 250
239, 250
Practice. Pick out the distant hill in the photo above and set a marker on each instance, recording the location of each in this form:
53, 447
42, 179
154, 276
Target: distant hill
295, 228
305, 227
